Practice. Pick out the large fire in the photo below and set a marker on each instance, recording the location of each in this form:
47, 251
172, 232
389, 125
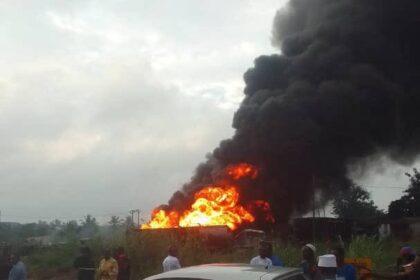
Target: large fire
216, 206
213, 205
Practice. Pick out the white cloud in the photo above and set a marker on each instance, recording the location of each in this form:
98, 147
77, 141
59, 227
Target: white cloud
67, 147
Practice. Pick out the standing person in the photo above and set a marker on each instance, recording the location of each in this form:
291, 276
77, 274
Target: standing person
5, 267
327, 268
18, 270
84, 246
308, 263
412, 273
344, 271
84, 264
263, 258
407, 256
274, 259
108, 267
123, 264
171, 262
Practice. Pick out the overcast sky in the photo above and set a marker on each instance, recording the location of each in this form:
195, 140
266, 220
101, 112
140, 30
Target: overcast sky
107, 106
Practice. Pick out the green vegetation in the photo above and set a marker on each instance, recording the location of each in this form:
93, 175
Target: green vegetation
382, 251
409, 204
355, 202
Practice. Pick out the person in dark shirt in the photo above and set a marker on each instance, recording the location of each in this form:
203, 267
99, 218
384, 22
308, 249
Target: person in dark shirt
84, 264
5, 267
123, 264
308, 263
407, 256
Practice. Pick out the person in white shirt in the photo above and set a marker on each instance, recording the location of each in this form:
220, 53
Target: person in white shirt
171, 262
262, 259
327, 268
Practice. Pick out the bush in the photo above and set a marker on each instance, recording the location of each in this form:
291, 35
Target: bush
383, 252
57, 256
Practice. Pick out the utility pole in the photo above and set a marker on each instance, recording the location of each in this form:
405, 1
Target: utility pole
138, 216
313, 208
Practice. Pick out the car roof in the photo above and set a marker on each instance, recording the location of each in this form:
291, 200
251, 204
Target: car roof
226, 271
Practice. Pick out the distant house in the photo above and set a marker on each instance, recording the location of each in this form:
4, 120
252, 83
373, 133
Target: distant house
39, 241
249, 238
403, 229
321, 228
329, 229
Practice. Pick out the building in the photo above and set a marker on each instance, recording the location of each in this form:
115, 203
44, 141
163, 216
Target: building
403, 229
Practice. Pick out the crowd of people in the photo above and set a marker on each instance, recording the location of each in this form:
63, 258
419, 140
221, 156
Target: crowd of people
324, 267
116, 266
111, 267
333, 265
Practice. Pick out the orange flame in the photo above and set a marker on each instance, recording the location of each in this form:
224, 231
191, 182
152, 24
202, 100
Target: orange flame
212, 206
241, 170
161, 219
216, 206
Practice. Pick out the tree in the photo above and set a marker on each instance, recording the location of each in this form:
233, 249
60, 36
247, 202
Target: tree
355, 203
409, 204
27, 230
115, 222
70, 230
42, 228
56, 224
89, 226
128, 222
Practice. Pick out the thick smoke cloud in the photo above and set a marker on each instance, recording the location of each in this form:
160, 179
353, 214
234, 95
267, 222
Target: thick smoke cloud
345, 86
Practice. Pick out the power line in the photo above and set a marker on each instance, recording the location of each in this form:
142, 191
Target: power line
70, 217
383, 187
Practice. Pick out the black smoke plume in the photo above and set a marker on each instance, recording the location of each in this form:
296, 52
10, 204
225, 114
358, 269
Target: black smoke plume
344, 86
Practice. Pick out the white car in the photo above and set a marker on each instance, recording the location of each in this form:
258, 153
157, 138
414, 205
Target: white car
230, 272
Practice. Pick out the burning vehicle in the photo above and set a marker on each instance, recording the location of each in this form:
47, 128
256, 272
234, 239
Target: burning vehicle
215, 205
216, 211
